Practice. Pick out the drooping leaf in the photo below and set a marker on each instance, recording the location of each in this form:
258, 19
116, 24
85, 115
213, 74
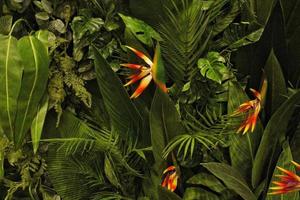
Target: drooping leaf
124, 116
141, 30
246, 40
275, 129
165, 124
243, 147
11, 69
34, 81
284, 161
38, 122
277, 87
231, 178
207, 180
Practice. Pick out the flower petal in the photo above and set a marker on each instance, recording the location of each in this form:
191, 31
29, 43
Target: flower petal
143, 85
141, 55
137, 77
132, 66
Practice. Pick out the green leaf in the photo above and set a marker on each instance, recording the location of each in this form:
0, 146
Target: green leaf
246, 40
212, 66
284, 161
124, 116
5, 24
243, 147
165, 194
207, 180
11, 69
34, 82
38, 123
165, 124
276, 128
231, 178
277, 90
193, 193
141, 30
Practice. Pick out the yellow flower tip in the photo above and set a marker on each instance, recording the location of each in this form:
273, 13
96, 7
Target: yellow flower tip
296, 164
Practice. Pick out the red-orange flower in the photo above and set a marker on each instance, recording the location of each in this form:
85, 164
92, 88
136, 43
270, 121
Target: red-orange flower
170, 178
289, 181
154, 71
251, 107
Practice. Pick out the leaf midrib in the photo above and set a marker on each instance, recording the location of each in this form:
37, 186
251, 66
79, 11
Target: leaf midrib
6, 84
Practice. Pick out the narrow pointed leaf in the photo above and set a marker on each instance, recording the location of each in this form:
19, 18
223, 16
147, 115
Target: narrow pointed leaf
34, 82
158, 69
10, 82
38, 123
165, 194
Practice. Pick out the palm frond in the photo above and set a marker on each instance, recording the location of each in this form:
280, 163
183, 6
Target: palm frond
185, 31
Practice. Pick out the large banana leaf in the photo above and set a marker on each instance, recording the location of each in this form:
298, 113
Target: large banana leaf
124, 116
284, 161
10, 82
34, 81
243, 147
276, 129
231, 178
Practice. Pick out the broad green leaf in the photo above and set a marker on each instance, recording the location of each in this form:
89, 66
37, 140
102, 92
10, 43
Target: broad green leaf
124, 116
231, 178
165, 124
207, 180
165, 194
34, 82
213, 67
43, 36
276, 128
141, 30
38, 122
11, 69
263, 10
277, 90
284, 161
243, 147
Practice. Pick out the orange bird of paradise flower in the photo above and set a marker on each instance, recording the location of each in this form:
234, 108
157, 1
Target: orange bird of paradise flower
289, 181
170, 178
251, 107
154, 70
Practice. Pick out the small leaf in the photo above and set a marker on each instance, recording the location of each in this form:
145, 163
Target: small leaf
5, 24
231, 178
212, 66
141, 30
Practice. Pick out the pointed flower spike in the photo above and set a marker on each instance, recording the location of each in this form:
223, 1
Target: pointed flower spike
141, 55
158, 69
170, 179
143, 84
289, 181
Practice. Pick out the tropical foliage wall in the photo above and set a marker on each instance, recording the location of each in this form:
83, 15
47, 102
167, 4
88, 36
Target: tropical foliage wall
149, 99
